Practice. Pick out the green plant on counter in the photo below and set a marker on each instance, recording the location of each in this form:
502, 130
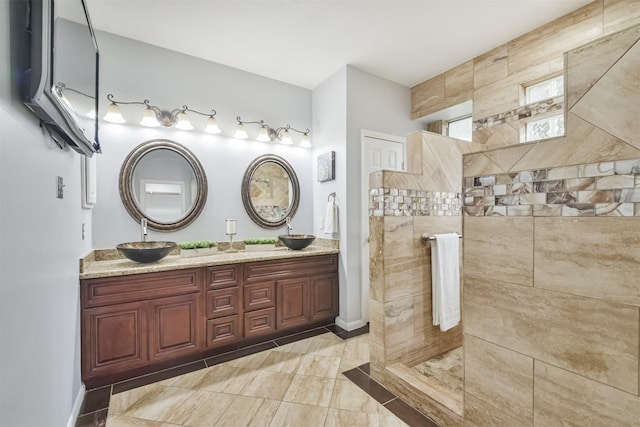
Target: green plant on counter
198, 244
260, 241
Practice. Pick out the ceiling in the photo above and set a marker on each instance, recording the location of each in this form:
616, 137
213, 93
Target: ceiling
304, 42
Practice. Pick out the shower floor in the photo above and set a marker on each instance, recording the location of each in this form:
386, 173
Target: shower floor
446, 370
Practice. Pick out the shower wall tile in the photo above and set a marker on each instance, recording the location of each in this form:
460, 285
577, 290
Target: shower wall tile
553, 39
620, 14
619, 86
595, 404
499, 247
608, 270
478, 413
585, 65
479, 164
397, 231
590, 337
491, 66
501, 376
376, 260
507, 157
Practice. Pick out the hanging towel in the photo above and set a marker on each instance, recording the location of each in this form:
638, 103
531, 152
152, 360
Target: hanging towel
331, 217
445, 280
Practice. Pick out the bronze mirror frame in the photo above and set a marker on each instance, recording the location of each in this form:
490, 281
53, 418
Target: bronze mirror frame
246, 193
125, 183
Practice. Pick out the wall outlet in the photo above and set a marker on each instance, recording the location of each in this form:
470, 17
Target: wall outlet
60, 188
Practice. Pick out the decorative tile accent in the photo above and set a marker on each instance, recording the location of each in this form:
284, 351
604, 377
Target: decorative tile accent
593, 189
403, 202
524, 112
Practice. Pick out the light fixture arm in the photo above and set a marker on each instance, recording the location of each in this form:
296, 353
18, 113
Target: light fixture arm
288, 128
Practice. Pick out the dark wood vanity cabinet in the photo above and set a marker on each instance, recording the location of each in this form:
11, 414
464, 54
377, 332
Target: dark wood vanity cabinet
131, 322
135, 323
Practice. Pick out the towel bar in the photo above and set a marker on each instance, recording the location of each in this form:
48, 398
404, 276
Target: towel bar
426, 237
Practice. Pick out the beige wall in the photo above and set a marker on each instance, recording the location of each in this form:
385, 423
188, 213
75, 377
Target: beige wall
493, 80
552, 257
401, 330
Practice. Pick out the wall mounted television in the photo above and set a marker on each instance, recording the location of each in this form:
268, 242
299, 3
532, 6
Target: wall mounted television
60, 82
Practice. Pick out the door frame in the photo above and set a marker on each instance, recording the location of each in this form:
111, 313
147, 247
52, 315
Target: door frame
364, 212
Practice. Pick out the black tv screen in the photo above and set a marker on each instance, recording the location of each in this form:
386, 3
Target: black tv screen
61, 81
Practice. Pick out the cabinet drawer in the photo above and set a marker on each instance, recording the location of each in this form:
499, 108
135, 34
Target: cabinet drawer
291, 268
223, 302
223, 276
223, 330
136, 287
259, 295
259, 322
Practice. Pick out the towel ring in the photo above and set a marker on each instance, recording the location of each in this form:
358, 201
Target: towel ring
332, 195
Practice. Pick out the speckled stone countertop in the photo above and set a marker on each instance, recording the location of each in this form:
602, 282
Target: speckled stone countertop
109, 262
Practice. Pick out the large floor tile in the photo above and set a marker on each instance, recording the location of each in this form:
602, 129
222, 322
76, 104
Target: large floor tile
249, 412
297, 415
310, 390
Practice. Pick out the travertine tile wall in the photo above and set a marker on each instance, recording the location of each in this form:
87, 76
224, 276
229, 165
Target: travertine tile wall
493, 80
552, 303
401, 329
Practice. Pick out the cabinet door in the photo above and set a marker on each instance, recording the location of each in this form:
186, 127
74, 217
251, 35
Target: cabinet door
293, 302
324, 297
174, 327
114, 338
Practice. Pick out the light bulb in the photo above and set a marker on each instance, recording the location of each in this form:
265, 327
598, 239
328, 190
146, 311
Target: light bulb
113, 114
263, 135
240, 132
212, 125
149, 118
305, 143
183, 122
286, 138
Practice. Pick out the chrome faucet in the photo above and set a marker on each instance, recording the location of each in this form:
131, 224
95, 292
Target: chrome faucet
143, 229
289, 227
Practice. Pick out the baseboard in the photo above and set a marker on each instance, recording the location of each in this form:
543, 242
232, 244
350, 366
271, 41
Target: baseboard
77, 404
350, 326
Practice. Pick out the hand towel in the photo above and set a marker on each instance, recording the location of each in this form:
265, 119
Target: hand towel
445, 280
331, 218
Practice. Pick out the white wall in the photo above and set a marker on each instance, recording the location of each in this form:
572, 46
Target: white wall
329, 102
349, 101
131, 70
40, 244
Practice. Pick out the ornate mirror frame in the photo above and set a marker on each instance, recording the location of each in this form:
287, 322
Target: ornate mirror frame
127, 195
246, 191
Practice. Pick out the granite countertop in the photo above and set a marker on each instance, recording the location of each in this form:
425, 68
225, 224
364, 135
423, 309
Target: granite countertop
108, 263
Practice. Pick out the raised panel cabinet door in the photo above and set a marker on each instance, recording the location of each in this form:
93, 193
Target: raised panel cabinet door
174, 327
293, 302
324, 297
114, 339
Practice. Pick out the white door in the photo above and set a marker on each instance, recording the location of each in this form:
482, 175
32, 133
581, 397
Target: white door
379, 151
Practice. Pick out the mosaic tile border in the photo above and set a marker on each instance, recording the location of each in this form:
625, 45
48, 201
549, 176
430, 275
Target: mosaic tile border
524, 112
403, 202
594, 189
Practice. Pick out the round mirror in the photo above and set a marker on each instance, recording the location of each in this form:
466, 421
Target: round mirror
164, 182
270, 191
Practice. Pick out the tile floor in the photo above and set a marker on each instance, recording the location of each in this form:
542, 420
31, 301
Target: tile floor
317, 378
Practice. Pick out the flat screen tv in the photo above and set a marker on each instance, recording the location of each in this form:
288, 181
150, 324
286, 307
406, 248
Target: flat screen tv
61, 77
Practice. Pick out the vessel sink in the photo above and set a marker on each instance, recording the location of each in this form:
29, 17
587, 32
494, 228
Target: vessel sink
146, 251
297, 241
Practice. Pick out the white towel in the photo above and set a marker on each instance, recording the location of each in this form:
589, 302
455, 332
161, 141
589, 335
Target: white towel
331, 218
445, 280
